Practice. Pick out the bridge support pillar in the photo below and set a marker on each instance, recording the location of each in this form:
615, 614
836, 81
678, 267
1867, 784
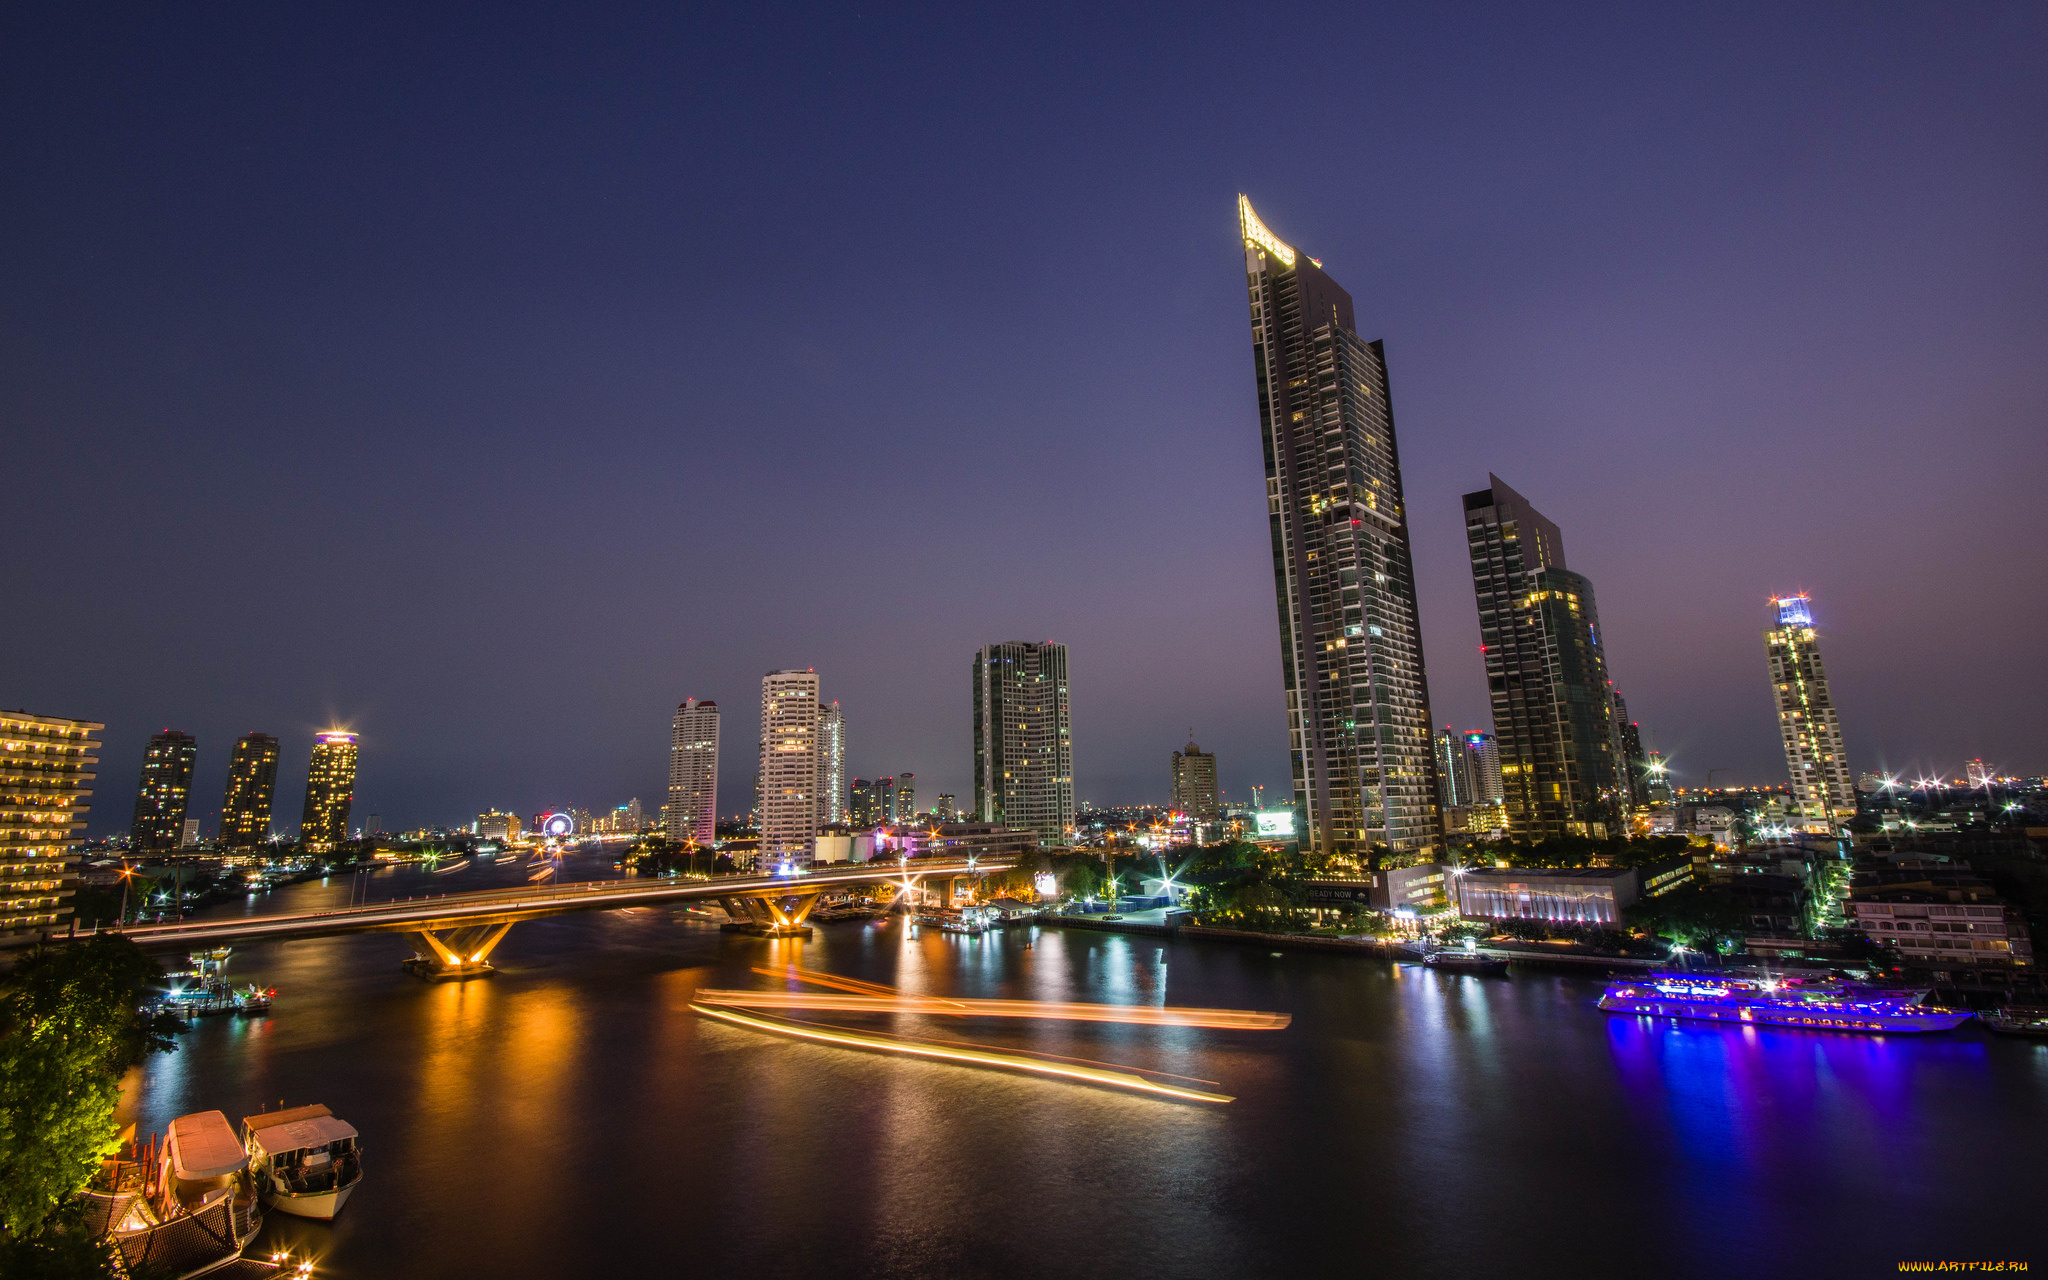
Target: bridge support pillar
454, 954
946, 891
780, 916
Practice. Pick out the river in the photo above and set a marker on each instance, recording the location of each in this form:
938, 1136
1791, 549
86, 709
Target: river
569, 1116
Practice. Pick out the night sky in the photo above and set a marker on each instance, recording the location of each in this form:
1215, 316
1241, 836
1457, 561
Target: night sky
490, 380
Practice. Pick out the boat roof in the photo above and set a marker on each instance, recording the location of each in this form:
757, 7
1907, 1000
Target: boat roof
298, 1128
203, 1146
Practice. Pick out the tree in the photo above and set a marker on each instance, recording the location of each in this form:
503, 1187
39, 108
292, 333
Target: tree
69, 1027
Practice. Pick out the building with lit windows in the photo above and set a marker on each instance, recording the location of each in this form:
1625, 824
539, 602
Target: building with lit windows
789, 768
1483, 754
831, 765
692, 809
1454, 771
1359, 732
1546, 673
1807, 725
252, 784
868, 804
47, 767
903, 804
1194, 783
330, 790
164, 793
1023, 742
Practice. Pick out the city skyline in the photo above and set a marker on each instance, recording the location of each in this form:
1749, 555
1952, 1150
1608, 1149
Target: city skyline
1563, 307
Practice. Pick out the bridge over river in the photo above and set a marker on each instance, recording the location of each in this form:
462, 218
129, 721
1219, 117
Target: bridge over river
453, 935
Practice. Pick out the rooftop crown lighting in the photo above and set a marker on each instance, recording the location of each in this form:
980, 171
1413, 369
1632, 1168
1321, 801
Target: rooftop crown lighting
1255, 232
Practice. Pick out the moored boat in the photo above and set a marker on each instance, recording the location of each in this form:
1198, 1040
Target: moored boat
304, 1160
1466, 962
1820, 1002
2017, 1020
182, 1207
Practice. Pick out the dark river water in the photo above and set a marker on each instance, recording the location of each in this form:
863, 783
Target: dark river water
570, 1116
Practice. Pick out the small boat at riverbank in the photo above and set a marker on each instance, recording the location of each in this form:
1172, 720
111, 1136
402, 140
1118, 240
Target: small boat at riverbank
2017, 1020
183, 1206
1469, 962
1818, 1002
305, 1162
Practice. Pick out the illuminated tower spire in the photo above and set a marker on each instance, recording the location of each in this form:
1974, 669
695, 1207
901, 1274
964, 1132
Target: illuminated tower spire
1350, 640
1807, 724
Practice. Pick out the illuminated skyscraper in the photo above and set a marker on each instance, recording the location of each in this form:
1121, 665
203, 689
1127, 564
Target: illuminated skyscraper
1454, 770
789, 767
1483, 755
869, 806
1023, 744
1350, 639
252, 782
164, 793
692, 812
1553, 717
831, 765
1194, 782
46, 773
903, 805
330, 790
1807, 724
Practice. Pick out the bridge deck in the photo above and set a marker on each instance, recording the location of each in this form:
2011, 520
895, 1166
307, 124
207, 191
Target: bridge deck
504, 906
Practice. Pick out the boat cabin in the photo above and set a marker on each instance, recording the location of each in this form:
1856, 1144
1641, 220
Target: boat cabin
203, 1157
305, 1148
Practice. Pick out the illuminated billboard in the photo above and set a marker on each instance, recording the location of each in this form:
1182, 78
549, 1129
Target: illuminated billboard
1276, 824
1046, 884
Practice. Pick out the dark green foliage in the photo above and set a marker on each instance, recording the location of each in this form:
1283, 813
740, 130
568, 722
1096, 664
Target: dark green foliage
1702, 917
68, 1029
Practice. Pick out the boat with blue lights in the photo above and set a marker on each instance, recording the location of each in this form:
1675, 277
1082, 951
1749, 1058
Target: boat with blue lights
1818, 1001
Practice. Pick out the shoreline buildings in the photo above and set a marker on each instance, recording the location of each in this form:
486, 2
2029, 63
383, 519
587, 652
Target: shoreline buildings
330, 790
692, 810
1546, 672
1807, 725
789, 768
164, 793
47, 768
1023, 741
252, 786
1359, 731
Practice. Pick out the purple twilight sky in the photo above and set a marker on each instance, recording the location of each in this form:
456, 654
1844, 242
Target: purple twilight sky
490, 380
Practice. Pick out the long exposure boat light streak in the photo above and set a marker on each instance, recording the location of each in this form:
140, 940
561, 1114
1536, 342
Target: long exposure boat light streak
965, 1054
1064, 1011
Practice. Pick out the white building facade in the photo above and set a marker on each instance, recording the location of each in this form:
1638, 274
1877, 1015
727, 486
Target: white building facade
692, 810
1807, 724
789, 768
831, 765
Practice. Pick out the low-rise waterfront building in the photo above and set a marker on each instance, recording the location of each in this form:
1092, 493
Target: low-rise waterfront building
1576, 895
1936, 914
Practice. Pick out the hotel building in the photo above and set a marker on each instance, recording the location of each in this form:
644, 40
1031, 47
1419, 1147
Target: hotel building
1359, 733
1807, 725
831, 765
252, 784
789, 768
330, 790
1023, 743
1194, 783
164, 793
692, 809
46, 772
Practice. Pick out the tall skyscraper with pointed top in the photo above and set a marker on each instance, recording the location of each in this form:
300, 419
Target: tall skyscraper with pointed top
1359, 731
1807, 724
252, 784
692, 810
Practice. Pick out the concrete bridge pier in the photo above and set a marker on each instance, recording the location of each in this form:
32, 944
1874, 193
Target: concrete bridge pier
455, 954
779, 916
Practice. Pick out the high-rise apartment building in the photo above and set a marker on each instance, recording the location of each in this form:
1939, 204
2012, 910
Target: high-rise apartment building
1482, 754
1350, 638
1628, 736
1194, 782
831, 765
164, 793
1023, 742
865, 807
47, 768
330, 790
789, 767
1807, 724
948, 808
252, 784
1546, 671
692, 812
903, 804
1454, 770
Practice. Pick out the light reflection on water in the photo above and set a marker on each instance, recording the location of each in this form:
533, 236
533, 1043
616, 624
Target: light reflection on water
569, 1117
